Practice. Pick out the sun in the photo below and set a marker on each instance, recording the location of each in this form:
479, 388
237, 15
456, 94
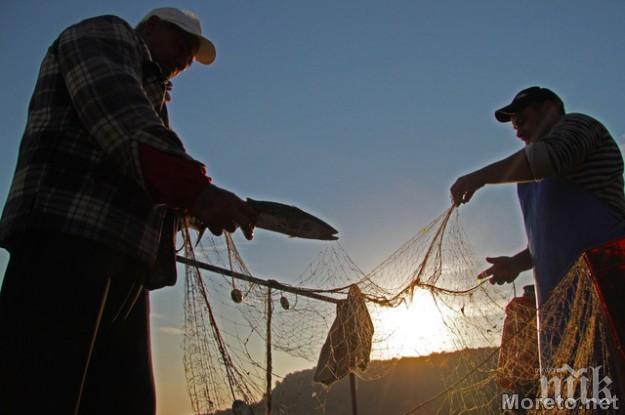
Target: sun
416, 328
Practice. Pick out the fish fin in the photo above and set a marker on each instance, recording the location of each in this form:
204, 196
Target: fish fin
199, 236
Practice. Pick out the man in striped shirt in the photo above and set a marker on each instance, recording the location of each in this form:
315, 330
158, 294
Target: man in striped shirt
574, 147
100, 183
570, 188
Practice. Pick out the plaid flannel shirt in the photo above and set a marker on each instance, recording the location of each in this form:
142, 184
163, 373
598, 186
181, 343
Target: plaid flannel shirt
97, 98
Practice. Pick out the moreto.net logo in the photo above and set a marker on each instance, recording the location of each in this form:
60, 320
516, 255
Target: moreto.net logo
567, 389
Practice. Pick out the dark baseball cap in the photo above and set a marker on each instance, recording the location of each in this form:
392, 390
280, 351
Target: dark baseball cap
524, 98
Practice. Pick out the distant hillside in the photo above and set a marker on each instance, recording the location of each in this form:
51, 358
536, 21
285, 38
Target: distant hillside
399, 385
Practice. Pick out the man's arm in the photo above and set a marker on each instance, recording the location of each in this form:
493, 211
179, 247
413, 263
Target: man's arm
172, 180
183, 184
567, 145
512, 169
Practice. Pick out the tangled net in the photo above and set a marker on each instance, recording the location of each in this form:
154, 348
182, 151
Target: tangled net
581, 342
340, 316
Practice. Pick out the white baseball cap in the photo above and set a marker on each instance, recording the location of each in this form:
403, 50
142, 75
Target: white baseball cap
190, 23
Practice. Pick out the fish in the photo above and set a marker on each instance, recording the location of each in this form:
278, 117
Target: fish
291, 221
284, 219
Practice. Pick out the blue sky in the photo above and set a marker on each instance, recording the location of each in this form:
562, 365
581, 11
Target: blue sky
363, 112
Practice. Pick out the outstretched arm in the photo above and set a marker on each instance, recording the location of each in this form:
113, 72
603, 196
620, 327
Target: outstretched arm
512, 169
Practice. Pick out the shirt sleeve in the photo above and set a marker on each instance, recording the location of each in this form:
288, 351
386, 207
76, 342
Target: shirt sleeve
539, 160
101, 66
570, 142
172, 180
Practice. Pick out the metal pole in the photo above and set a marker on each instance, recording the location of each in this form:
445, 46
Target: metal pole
352, 389
266, 283
268, 345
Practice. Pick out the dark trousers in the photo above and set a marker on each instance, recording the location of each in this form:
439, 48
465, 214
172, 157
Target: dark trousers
74, 331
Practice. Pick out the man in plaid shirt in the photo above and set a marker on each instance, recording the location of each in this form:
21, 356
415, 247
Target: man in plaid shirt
91, 216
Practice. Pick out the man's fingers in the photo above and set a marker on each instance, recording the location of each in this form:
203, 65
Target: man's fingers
223, 210
462, 190
497, 259
461, 198
497, 274
457, 196
248, 232
497, 279
485, 274
245, 218
230, 227
467, 196
215, 230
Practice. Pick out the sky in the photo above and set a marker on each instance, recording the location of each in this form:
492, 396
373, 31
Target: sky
361, 112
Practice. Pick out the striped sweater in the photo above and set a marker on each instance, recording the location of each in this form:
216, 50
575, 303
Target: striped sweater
580, 149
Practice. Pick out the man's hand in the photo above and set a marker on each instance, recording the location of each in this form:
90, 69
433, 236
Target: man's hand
505, 269
221, 210
464, 188
512, 169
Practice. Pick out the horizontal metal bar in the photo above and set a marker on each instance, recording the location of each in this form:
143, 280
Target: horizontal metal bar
265, 283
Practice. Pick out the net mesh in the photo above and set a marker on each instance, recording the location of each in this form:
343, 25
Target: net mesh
579, 357
423, 298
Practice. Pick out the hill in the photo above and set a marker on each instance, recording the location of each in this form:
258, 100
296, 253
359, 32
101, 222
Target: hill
392, 387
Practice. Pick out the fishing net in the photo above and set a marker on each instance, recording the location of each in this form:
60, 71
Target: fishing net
582, 360
213, 378
421, 299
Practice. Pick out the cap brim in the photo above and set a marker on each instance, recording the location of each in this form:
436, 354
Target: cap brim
505, 114
206, 53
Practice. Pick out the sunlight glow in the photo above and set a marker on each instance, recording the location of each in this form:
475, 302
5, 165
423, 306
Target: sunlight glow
413, 329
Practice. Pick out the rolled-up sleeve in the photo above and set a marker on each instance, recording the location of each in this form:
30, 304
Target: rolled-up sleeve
172, 180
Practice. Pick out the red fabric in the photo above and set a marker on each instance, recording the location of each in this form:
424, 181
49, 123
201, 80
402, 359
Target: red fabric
172, 180
607, 265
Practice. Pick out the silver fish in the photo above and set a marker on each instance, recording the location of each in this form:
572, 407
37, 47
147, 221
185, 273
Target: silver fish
291, 221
